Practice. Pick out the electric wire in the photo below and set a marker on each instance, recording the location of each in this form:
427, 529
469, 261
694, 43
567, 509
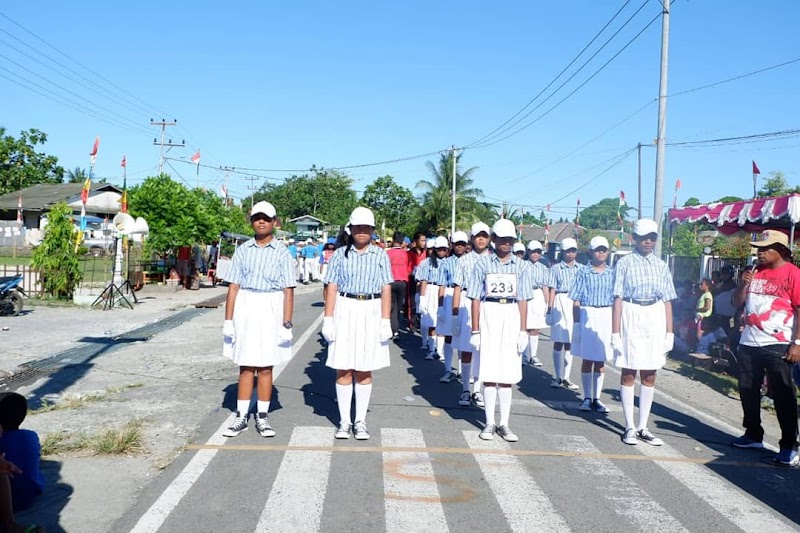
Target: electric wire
735, 78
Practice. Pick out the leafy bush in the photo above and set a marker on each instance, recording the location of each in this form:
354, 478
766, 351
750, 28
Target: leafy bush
56, 258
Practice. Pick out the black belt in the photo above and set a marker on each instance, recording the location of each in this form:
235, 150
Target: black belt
450, 286
562, 292
360, 296
598, 306
645, 303
501, 300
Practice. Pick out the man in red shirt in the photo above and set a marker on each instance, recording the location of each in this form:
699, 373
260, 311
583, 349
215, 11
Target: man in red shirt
770, 343
416, 255
401, 270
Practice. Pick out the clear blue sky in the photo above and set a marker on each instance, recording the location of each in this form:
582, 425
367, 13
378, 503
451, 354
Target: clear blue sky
284, 85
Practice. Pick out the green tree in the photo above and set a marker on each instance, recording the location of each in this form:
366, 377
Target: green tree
684, 241
435, 211
56, 257
77, 175
604, 214
391, 203
728, 199
22, 166
691, 201
731, 247
776, 185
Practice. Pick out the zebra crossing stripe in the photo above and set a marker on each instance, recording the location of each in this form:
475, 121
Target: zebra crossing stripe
727, 499
622, 493
524, 504
411, 495
298, 493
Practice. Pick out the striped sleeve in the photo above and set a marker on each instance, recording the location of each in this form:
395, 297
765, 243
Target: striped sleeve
235, 274
286, 266
524, 283
578, 291
333, 274
386, 277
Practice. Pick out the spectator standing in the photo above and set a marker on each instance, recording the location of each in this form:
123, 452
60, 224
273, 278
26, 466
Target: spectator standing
401, 271
416, 255
704, 306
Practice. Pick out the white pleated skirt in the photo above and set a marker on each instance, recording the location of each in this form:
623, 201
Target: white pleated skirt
256, 319
642, 329
429, 307
594, 341
561, 331
461, 343
357, 344
500, 362
537, 310
445, 318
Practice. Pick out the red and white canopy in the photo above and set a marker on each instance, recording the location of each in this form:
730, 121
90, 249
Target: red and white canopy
744, 215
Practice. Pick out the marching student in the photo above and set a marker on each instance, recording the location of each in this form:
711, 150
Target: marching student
559, 312
445, 319
499, 291
356, 324
258, 316
642, 326
593, 294
431, 279
462, 316
537, 306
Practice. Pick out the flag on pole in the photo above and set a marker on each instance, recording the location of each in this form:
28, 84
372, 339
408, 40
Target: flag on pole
95, 149
196, 160
577, 217
223, 189
87, 185
124, 163
755, 168
675, 194
547, 227
19, 210
123, 202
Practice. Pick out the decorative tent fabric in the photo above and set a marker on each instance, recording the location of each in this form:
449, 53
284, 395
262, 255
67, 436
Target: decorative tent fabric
744, 215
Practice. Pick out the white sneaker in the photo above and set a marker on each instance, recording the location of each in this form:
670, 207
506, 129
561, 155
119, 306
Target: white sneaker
644, 435
507, 434
465, 398
477, 399
239, 424
567, 384
586, 405
599, 406
629, 437
447, 378
488, 432
344, 430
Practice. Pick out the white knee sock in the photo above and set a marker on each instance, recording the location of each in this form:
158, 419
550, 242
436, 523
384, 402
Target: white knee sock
362, 401
504, 399
458, 362
626, 395
424, 333
586, 381
567, 364
262, 406
533, 345
597, 378
466, 371
448, 357
344, 397
431, 344
439, 345
558, 364
490, 399
243, 406
645, 403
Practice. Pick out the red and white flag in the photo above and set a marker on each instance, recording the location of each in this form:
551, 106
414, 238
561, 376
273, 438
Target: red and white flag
95, 149
19, 210
196, 158
755, 168
124, 163
223, 190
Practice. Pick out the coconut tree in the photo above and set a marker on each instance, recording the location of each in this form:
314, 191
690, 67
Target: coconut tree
77, 175
436, 204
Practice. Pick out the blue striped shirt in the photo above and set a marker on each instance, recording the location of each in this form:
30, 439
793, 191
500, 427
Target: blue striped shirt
464, 268
364, 273
266, 268
432, 274
422, 270
592, 288
447, 271
562, 276
539, 274
643, 278
491, 264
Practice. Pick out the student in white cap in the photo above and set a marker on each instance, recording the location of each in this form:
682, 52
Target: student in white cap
593, 294
431, 280
559, 312
258, 316
518, 250
310, 254
642, 326
462, 316
427, 324
356, 323
444, 320
537, 306
499, 292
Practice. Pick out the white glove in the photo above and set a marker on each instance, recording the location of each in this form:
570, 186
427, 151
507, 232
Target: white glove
228, 330
475, 342
284, 336
327, 329
386, 332
456, 326
522, 341
616, 343
669, 342
548, 318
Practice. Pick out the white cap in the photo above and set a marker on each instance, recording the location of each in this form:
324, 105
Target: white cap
645, 226
479, 227
518, 247
568, 243
598, 242
263, 207
460, 236
504, 228
291, 241
361, 216
430, 242
309, 241
535, 245
441, 242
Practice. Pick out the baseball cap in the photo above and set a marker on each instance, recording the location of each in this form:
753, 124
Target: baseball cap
771, 236
291, 241
309, 241
535, 245
479, 227
568, 243
504, 228
264, 208
645, 226
441, 242
361, 216
598, 242
518, 247
460, 236
430, 242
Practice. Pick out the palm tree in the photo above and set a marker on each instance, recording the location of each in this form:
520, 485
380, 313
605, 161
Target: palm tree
78, 175
436, 205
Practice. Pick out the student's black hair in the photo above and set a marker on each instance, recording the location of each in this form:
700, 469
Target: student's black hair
417, 235
349, 242
434, 259
398, 237
13, 409
341, 239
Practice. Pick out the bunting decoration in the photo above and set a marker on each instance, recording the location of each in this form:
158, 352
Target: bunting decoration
124, 200
756, 172
675, 196
577, 217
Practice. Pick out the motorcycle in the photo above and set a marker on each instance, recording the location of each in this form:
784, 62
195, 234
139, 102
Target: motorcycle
11, 295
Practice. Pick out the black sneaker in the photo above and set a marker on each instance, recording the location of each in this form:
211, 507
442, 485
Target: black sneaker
262, 425
645, 436
239, 424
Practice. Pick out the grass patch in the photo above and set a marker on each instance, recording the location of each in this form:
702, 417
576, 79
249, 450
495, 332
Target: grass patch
128, 440
14, 261
77, 401
722, 383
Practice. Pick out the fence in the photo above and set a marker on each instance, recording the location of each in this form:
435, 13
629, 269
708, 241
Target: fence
683, 267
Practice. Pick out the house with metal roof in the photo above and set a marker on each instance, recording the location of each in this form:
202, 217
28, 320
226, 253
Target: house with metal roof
37, 200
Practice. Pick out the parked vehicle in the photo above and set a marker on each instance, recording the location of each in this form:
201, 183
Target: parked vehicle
11, 295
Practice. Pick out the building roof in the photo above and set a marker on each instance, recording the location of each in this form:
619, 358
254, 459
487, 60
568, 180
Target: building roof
558, 231
309, 217
43, 196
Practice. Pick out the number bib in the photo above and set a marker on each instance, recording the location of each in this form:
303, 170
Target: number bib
501, 285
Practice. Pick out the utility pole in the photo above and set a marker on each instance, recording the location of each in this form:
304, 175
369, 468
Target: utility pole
251, 187
661, 138
639, 204
453, 212
169, 144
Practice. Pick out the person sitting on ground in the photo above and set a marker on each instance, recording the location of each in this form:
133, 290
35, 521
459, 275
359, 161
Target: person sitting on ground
21, 482
704, 306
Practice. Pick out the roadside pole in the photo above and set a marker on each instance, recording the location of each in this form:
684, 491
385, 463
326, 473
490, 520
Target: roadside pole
662, 123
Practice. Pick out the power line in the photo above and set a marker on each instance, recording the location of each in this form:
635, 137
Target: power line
755, 137
759, 71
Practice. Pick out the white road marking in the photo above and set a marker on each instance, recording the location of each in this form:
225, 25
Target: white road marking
152, 520
411, 495
730, 501
558, 405
623, 495
298, 493
524, 504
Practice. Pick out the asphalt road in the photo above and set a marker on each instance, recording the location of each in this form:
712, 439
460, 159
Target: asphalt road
424, 469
